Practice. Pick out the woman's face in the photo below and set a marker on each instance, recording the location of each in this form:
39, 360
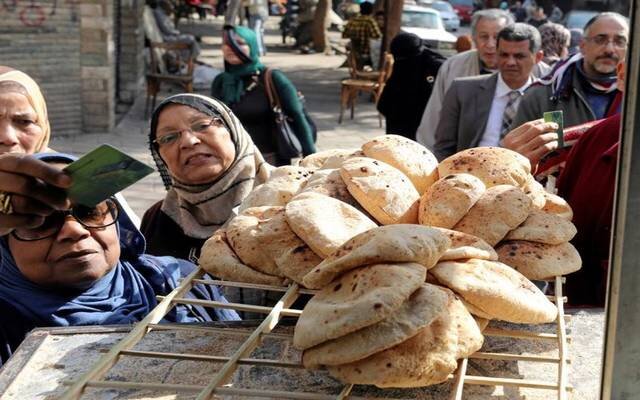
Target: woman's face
74, 257
19, 132
230, 56
195, 157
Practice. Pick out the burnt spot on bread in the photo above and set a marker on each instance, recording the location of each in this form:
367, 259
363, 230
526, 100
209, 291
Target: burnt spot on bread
377, 306
364, 169
337, 287
389, 365
299, 249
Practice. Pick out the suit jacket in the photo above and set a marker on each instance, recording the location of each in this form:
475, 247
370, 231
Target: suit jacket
464, 115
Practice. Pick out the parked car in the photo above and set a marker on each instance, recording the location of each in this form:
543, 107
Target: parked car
426, 23
449, 16
464, 8
578, 18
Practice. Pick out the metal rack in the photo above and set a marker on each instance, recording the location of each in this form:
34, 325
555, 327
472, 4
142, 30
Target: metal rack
94, 378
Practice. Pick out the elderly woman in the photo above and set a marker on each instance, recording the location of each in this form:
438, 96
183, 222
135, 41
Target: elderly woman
208, 163
242, 87
555, 42
85, 266
29, 189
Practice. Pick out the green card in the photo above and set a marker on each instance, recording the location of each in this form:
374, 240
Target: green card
102, 173
556, 116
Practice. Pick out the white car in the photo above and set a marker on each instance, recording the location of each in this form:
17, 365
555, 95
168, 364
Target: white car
426, 23
449, 16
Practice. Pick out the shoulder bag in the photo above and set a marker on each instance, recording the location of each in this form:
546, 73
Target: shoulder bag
287, 143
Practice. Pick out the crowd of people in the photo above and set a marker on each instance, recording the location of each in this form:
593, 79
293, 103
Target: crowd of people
63, 264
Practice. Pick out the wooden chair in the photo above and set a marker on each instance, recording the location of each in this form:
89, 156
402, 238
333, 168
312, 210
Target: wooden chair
159, 72
351, 88
356, 73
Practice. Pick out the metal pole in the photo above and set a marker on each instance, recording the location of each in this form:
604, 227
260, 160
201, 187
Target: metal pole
621, 369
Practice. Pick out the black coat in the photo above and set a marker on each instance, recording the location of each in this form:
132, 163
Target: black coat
407, 91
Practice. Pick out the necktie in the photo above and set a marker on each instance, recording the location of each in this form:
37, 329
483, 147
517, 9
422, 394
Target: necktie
509, 112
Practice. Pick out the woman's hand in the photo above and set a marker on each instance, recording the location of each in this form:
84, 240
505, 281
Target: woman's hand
533, 139
35, 188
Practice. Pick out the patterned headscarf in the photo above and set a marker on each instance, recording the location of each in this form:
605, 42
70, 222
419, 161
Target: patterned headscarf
36, 99
555, 39
201, 209
233, 82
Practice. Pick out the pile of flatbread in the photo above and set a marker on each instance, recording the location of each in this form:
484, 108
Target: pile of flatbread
410, 258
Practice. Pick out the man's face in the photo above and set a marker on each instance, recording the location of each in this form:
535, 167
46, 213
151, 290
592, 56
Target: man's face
515, 62
604, 46
486, 40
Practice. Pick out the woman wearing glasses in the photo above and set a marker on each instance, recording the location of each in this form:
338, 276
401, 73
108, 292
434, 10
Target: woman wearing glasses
208, 164
85, 266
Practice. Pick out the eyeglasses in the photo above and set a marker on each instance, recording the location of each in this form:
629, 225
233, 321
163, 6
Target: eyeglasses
100, 216
619, 42
200, 127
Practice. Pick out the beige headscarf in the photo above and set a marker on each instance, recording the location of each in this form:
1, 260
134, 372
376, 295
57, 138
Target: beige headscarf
36, 99
200, 210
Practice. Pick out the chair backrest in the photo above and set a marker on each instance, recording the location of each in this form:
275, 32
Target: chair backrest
385, 71
352, 65
152, 32
178, 54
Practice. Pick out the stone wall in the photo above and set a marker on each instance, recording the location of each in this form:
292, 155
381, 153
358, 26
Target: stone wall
68, 47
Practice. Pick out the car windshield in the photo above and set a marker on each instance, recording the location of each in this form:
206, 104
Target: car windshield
578, 19
416, 19
468, 3
442, 6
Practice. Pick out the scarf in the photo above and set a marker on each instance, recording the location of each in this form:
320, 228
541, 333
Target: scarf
201, 209
36, 100
561, 76
125, 295
233, 77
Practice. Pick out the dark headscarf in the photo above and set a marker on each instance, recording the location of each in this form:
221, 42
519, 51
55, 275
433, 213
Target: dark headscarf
233, 77
125, 295
201, 209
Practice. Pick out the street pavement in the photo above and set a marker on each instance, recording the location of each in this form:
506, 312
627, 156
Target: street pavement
318, 76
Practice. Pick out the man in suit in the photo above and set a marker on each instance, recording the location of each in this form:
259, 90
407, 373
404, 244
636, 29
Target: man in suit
477, 111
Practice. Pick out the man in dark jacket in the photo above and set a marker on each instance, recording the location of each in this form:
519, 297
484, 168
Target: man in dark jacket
408, 89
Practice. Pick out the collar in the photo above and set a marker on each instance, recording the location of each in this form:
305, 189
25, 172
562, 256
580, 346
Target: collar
502, 89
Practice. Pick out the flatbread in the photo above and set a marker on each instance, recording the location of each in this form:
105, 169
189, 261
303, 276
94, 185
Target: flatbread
425, 359
539, 261
408, 156
293, 258
219, 260
465, 246
385, 192
316, 160
337, 160
497, 290
282, 185
360, 298
536, 192
557, 205
492, 165
392, 243
424, 305
500, 209
449, 199
325, 223
329, 183
543, 227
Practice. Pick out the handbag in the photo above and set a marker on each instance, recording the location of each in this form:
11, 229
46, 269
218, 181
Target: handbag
288, 145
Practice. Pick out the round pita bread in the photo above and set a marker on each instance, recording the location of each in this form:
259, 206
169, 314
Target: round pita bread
557, 205
283, 183
360, 298
543, 227
536, 192
492, 165
408, 156
329, 183
316, 160
219, 260
449, 199
465, 246
424, 305
426, 358
384, 244
293, 258
500, 209
497, 290
323, 222
539, 261
337, 160
243, 236
382, 190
